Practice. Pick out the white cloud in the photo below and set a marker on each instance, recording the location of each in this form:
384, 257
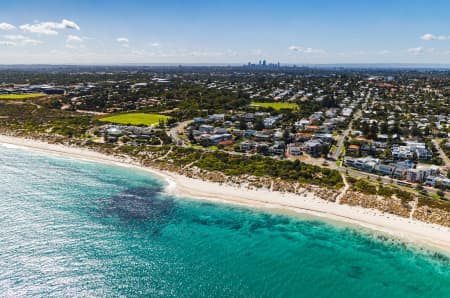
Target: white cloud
155, 44
19, 39
74, 39
74, 42
6, 26
14, 37
430, 36
7, 43
416, 50
49, 28
31, 42
122, 40
303, 50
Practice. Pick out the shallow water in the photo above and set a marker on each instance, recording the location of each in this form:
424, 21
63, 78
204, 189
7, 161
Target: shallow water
74, 228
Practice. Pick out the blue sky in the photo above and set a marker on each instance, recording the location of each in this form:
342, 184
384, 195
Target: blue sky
301, 32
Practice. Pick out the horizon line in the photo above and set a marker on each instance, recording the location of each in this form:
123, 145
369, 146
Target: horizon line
237, 64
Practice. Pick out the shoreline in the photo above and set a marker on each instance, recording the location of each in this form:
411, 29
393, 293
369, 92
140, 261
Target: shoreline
408, 230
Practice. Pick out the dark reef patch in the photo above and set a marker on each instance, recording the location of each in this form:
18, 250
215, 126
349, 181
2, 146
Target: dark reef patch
141, 204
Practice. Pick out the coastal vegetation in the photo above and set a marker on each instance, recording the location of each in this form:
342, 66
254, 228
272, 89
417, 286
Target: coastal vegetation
257, 165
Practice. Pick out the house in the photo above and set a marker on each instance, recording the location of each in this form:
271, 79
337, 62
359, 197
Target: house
278, 148
434, 181
249, 133
270, 121
347, 112
216, 139
366, 164
312, 128
206, 128
424, 154
313, 147
414, 175
262, 136
226, 142
325, 137
262, 148
387, 170
238, 132
114, 131
248, 116
382, 137
354, 150
247, 145
411, 150
216, 117
420, 173
220, 131
303, 136
199, 120
399, 172
294, 150
302, 123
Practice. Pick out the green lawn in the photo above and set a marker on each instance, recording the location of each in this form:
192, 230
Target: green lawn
136, 119
21, 96
276, 105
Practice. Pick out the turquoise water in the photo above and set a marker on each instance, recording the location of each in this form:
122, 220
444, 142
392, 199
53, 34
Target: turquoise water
74, 228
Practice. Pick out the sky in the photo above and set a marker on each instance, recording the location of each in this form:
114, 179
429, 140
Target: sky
224, 32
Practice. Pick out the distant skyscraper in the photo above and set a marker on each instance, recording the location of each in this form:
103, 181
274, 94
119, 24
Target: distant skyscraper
264, 63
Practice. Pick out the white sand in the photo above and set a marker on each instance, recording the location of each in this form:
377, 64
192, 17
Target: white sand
415, 231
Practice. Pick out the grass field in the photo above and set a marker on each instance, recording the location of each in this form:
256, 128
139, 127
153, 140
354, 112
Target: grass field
276, 105
136, 119
21, 96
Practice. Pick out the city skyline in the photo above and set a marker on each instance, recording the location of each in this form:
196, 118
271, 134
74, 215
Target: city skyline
219, 32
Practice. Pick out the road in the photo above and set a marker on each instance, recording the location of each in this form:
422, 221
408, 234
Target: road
386, 180
174, 134
341, 138
444, 157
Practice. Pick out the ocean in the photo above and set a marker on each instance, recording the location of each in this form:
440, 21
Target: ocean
71, 228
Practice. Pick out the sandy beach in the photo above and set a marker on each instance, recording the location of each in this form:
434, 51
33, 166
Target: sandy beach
418, 232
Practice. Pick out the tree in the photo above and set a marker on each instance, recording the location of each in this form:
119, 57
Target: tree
259, 124
286, 136
242, 125
384, 128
